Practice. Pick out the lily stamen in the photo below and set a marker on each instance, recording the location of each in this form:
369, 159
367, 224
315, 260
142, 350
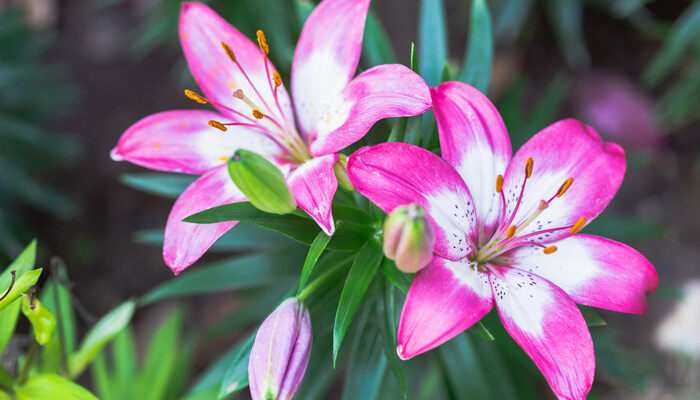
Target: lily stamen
203, 100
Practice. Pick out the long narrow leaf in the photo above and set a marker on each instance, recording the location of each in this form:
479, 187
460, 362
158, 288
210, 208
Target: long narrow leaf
360, 276
8, 316
432, 34
479, 54
315, 251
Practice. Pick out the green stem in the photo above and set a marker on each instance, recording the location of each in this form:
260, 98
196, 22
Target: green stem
321, 280
28, 362
6, 380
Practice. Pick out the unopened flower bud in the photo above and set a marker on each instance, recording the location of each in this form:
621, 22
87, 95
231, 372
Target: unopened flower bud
262, 182
42, 319
341, 172
280, 352
408, 238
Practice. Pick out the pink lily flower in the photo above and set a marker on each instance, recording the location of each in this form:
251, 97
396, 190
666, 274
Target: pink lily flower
332, 111
505, 234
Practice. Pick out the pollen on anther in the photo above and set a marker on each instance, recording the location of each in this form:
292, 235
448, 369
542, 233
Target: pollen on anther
510, 232
194, 96
228, 51
262, 42
238, 93
258, 115
564, 187
549, 249
499, 183
218, 125
528, 167
277, 79
578, 225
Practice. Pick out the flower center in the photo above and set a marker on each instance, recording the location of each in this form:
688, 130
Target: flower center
507, 236
283, 132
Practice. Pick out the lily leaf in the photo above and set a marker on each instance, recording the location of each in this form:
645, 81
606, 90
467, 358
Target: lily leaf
360, 276
479, 54
236, 376
21, 285
52, 387
432, 34
101, 333
8, 316
315, 251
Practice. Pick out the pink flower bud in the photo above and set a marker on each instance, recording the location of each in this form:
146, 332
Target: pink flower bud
408, 238
618, 109
280, 352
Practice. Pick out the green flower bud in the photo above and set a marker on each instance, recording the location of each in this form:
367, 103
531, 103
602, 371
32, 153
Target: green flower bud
42, 319
262, 182
341, 172
408, 238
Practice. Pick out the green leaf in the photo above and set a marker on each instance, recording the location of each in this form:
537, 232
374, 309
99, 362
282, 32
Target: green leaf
566, 17
625, 228
684, 34
377, 46
239, 272
101, 333
158, 183
315, 251
479, 54
432, 34
367, 364
399, 279
236, 376
101, 378
125, 360
52, 387
245, 236
591, 316
360, 276
161, 359
22, 284
511, 18
208, 384
303, 8
298, 228
460, 360
388, 328
407, 129
8, 316
479, 330
57, 298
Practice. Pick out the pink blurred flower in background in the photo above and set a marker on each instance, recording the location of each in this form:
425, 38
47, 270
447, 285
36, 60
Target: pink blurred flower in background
331, 110
618, 109
505, 234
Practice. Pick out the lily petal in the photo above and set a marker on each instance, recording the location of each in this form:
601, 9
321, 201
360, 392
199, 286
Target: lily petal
313, 185
325, 59
395, 174
566, 149
474, 140
183, 141
185, 242
389, 90
594, 271
201, 32
446, 298
549, 327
